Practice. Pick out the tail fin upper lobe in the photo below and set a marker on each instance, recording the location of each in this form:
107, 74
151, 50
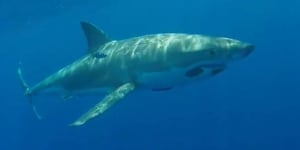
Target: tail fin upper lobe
28, 92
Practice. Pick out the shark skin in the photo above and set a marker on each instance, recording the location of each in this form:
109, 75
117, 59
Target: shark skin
156, 62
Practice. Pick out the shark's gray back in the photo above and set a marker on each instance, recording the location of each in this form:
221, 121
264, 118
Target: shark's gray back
150, 53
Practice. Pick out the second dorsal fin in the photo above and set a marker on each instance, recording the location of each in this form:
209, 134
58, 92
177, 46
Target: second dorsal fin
95, 37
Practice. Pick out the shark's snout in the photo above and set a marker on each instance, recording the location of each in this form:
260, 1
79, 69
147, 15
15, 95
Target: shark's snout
249, 48
240, 50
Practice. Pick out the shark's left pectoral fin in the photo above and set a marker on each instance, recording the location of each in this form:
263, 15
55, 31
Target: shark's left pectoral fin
105, 104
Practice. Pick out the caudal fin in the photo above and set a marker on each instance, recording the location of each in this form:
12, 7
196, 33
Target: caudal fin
27, 90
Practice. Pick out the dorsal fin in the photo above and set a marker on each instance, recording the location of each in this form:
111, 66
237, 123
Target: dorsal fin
95, 37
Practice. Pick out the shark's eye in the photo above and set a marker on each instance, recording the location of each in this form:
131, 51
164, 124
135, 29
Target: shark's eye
212, 52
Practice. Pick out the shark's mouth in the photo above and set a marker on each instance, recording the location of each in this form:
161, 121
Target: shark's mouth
195, 71
213, 69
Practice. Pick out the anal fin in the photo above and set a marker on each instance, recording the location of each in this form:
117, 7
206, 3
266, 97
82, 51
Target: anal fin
105, 104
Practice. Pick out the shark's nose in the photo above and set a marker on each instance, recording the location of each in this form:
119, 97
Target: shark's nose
249, 48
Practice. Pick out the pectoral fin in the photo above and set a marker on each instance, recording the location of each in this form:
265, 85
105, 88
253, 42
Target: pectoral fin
105, 104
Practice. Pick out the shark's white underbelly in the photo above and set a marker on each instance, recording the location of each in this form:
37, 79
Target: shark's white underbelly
162, 79
176, 76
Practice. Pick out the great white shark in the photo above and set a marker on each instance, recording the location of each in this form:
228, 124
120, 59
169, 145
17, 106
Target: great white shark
157, 62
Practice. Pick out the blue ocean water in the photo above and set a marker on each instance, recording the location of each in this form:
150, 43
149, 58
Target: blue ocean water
254, 104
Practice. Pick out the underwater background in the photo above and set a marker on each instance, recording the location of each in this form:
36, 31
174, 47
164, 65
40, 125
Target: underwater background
253, 105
